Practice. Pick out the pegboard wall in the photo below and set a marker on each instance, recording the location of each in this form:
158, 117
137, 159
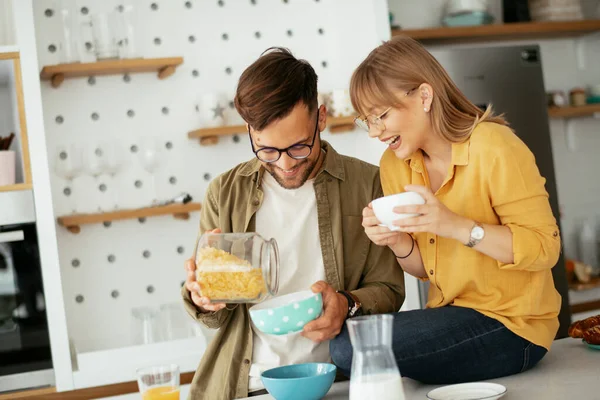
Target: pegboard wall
108, 269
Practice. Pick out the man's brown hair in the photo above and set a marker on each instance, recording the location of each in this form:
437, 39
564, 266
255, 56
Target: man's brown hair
269, 89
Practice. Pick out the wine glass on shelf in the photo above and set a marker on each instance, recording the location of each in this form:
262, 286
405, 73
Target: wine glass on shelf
150, 157
114, 164
96, 162
68, 165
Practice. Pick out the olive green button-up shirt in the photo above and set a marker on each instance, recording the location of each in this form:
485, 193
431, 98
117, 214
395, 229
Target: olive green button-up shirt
343, 187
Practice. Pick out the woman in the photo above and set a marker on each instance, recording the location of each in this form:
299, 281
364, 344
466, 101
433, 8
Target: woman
486, 239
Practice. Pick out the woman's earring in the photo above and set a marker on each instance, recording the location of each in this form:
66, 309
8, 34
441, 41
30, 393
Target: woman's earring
426, 109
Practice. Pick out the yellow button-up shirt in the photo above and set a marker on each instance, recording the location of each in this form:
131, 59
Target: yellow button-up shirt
493, 179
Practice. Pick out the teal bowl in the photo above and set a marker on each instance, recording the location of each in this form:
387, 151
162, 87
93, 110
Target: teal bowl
310, 381
287, 314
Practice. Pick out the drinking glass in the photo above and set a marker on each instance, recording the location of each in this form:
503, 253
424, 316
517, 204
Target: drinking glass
114, 164
159, 382
150, 157
146, 330
68, 165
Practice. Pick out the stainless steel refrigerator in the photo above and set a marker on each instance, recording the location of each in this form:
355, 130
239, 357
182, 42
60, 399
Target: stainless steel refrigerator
510, 78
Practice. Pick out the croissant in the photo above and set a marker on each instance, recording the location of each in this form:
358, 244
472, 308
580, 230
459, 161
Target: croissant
590, 322
575, 330
592, 335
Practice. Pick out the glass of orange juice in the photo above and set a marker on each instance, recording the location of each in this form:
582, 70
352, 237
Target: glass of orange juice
160, 382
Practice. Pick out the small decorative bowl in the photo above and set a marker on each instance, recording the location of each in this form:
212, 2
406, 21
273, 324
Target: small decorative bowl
287, 314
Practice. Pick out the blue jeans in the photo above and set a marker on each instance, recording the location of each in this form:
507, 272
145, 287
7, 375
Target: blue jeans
449, 345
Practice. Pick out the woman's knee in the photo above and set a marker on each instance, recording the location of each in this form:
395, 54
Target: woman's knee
340, 350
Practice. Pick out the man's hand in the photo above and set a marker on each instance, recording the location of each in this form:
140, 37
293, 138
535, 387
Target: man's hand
335, 310
193, 287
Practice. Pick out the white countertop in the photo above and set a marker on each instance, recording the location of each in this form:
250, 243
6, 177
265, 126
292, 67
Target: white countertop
570, 371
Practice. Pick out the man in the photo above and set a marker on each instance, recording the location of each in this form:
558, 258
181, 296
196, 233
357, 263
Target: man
310, 200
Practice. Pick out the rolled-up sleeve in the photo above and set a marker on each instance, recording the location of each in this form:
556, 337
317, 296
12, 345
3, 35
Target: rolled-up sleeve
520, 200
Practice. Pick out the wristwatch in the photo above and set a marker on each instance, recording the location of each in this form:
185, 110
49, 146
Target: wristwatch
477, 235
354, 306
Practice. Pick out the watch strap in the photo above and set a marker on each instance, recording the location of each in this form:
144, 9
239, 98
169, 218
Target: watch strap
354, 306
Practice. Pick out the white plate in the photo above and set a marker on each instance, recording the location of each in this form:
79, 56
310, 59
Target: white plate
468, 391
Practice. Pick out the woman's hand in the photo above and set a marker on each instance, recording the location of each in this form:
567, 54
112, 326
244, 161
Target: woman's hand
380, 235
435, 217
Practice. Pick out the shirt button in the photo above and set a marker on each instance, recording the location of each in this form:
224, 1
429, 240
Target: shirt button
555, 234
431, 272
246, 361
432, 240
256, 202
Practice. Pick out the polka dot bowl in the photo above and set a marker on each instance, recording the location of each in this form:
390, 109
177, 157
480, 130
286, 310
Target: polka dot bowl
287, 314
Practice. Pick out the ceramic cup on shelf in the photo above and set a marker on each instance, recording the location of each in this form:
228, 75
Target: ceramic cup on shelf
340, 104
212, 109
7, 167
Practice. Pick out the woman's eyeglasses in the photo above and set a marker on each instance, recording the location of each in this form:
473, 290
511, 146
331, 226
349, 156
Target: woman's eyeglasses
371, 122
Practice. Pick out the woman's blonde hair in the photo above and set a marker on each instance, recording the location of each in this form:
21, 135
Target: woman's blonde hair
402, 64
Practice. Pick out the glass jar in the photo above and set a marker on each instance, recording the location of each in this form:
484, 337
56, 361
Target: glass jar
237, 267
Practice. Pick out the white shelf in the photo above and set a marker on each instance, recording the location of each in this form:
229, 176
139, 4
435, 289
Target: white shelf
9, 49
106, 367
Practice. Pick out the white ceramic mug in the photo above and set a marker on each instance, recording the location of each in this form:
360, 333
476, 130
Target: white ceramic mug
384, 207
7, 167
340, 104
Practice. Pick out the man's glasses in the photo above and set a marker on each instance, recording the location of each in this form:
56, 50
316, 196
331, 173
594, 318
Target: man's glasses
297, 151
371, 122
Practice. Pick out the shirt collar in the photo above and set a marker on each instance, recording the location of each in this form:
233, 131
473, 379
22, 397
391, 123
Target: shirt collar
460, 156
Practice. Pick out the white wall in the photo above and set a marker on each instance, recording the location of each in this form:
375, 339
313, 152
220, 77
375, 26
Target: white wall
7, 33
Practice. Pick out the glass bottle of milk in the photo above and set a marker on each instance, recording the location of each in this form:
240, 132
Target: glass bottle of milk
375, 373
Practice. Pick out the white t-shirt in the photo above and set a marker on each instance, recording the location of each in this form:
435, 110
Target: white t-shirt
289, 216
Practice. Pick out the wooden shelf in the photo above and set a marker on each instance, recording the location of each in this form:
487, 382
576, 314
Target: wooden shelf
210, 136
569, 112
513, 31
585, 307
165, 67
180, 211
16, 187
341, 124
592, 284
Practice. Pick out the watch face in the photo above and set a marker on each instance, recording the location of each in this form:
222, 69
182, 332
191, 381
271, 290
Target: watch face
477, 233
